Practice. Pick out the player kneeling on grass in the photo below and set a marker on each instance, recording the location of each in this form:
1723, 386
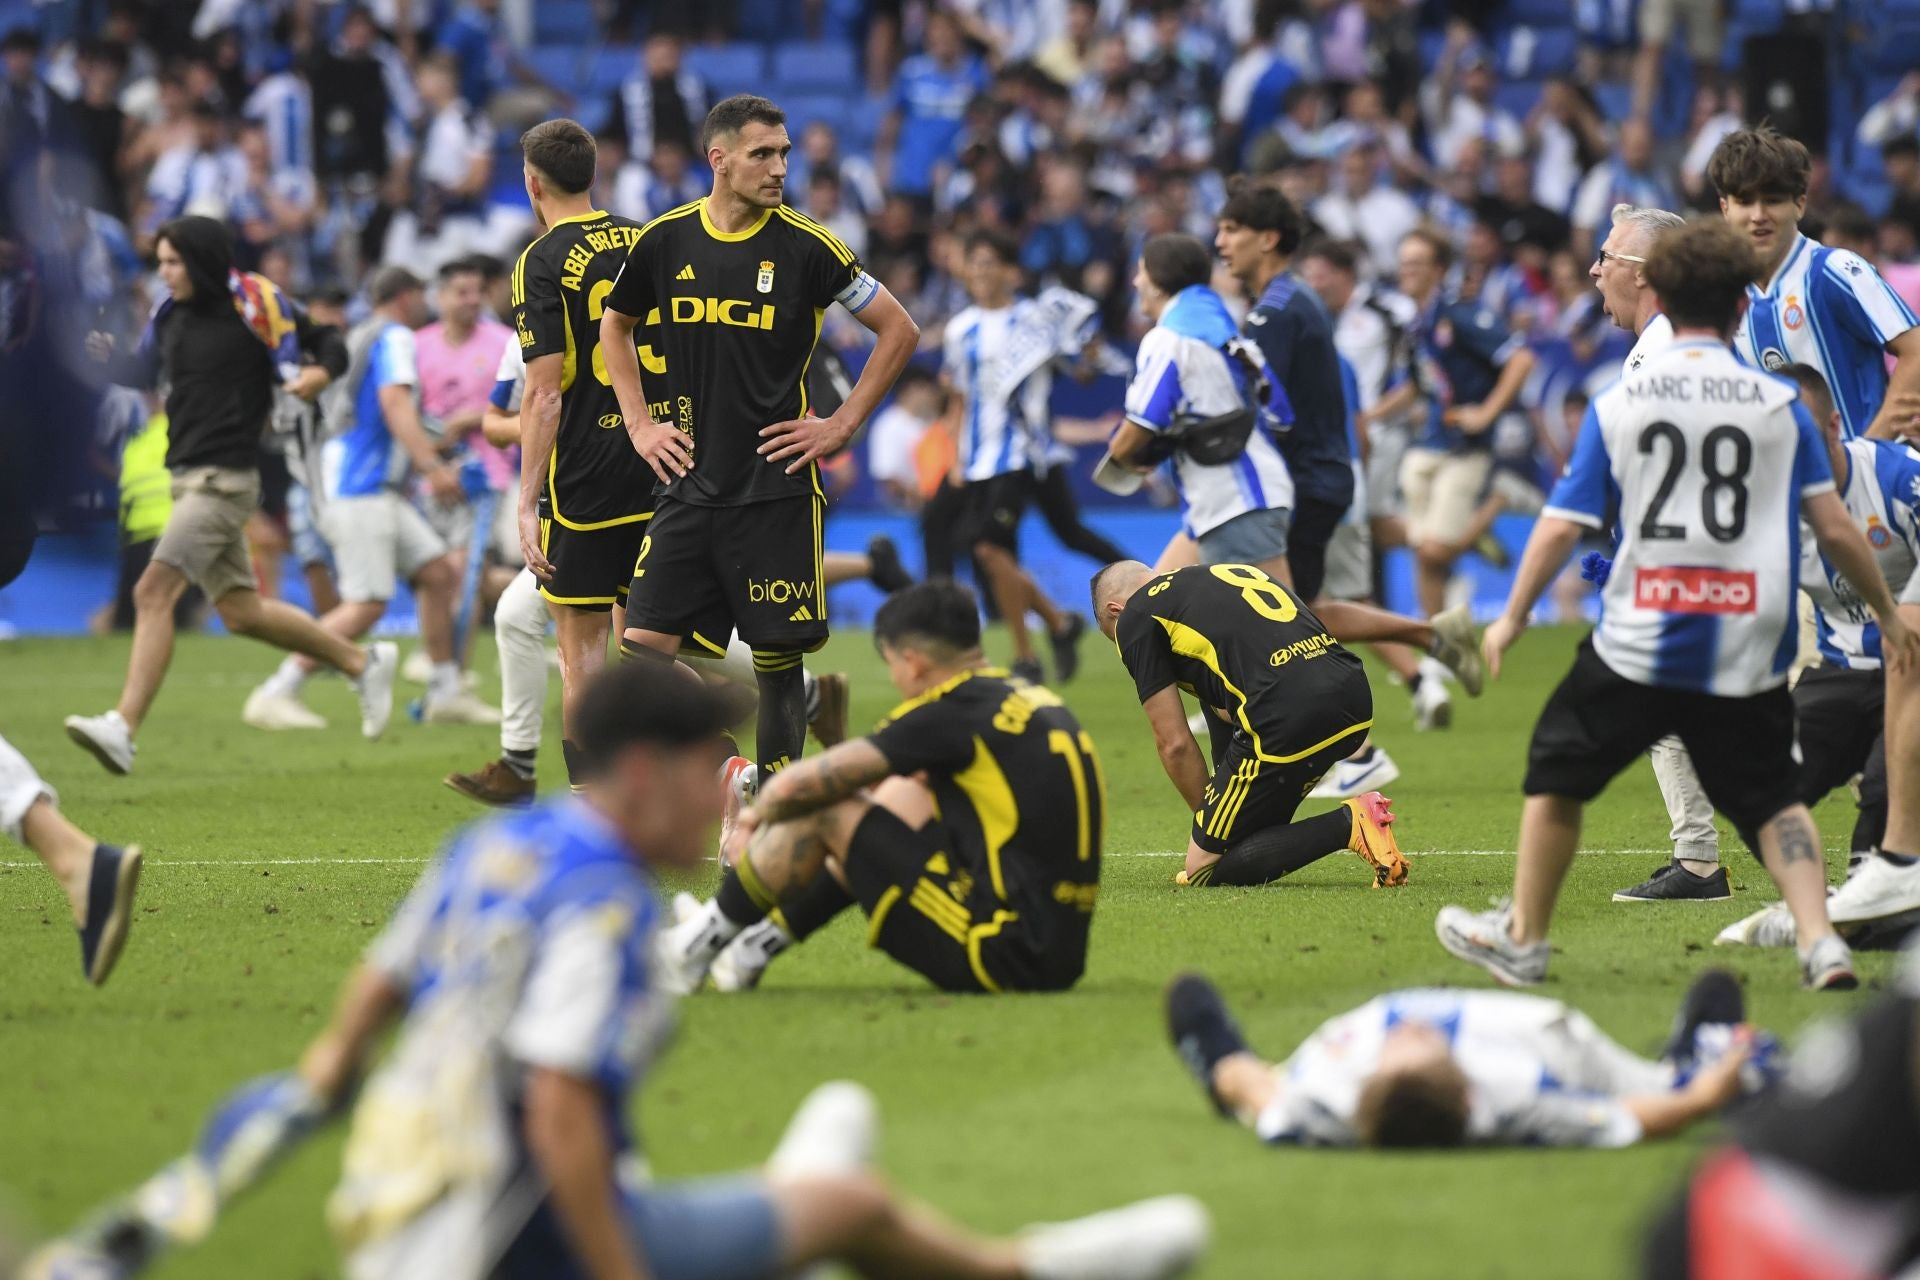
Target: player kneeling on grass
1710, 465
980, 878
1441, 1068
493, 1139
1296, 704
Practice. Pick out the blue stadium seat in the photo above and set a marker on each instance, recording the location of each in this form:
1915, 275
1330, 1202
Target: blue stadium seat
1517, 96
1536, 51
768, 21
1539, 13
1615, 99
826, 66
558, 64
730, 68
612, 64
565, 22
1767, 15
1891, 51
804, 108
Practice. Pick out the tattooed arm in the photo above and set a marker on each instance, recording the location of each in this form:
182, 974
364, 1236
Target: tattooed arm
816, 782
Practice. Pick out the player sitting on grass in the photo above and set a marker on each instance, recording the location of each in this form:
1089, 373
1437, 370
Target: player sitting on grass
493, 1140
98, 879
1707, 466
1441, 1068
980, 878
1297, 704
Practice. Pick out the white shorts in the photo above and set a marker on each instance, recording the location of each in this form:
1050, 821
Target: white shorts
377, 539
1349, 573
1442, 491
20, 788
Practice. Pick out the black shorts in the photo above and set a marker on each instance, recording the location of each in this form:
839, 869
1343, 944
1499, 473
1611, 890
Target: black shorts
1842, 716
591, 567
992, 510
1247, 794
1598, 722
927, 909
754, 569
1312, 529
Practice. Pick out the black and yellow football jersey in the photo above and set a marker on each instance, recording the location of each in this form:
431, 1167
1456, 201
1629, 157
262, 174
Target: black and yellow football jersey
738, 315
560, 288
1237, 640
1022, 797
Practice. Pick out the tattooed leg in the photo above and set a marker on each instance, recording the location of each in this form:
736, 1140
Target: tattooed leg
1791, 851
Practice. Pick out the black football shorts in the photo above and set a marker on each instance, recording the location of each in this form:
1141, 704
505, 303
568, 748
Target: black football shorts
754, 570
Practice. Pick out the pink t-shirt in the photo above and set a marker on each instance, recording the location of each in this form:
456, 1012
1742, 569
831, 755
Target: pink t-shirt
456, 380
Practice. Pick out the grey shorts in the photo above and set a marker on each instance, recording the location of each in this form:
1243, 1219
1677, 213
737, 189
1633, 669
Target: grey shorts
206, 537
377, 539
724, 1228
1253, 537
1349, 563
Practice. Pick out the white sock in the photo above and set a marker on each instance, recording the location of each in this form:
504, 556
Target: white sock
1431, 668
287, 678
737, 666
444, 680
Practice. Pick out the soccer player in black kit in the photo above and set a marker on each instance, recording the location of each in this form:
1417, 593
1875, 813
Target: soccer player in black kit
968, 827
739, 283
585, 496
1255, 656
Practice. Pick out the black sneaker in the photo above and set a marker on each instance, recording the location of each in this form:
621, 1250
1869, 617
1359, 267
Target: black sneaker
1029, 669
1066, 647
1202, 1031
1674, 883
1714, 997
110, 889
887, 573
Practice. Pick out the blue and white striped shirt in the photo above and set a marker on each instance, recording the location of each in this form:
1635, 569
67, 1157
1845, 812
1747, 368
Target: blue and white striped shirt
1881, 487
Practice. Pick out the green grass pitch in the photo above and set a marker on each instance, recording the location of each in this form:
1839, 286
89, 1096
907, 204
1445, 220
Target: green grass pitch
272, 859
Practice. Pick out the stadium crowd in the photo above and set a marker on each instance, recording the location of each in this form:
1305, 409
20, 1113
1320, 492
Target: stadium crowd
335, 138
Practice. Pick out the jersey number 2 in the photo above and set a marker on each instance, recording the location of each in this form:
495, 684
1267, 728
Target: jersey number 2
1263, 595
1726, 481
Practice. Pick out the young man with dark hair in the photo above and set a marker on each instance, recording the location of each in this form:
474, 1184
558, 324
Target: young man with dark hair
585, 498
1438, 1068
998, 356
1293, 703
739, 282
216, 344
1809, 304
1711, 465
522, 979
982, 878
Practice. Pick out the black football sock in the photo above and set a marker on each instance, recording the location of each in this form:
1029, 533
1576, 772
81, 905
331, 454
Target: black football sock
781, 730
1219, 736
810, 910
576, 762
521, 762
742, 899
1265, 856
1899, 859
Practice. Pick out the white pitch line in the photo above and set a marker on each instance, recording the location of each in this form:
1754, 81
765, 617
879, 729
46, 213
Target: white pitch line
163, 861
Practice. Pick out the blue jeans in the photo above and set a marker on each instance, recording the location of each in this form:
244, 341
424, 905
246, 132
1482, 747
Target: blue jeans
1249, 538
723, 1228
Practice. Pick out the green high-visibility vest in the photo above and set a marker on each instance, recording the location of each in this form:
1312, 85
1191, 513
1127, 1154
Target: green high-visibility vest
146, 487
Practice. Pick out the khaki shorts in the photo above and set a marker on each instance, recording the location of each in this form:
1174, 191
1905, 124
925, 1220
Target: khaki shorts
1442, 490
377, 539
1706, 30
205, 537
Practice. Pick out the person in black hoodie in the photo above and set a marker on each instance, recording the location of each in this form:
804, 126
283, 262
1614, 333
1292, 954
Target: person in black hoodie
220, 376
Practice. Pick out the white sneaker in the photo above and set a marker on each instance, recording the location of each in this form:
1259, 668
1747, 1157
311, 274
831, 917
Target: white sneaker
418, 668
459, 707
1356, 777
740, 783
375, 687
1768, 927
686, 948
1145, 1241
835, 1131
107, 737
1458, 647
1878, 889
1828, 966
270, 709
1432, 704
1482, 938
71, 1260
741, 966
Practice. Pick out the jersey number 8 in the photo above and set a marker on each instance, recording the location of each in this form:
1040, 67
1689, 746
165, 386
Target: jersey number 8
1263, 595
1726, 472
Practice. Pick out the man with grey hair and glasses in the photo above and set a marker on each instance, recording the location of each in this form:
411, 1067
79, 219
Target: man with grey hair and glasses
1695, 873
